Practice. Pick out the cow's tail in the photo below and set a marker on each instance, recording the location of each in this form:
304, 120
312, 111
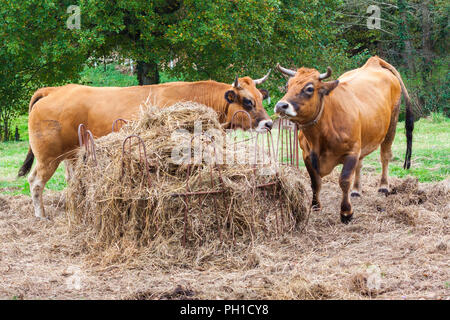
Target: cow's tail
409, 119
28, 163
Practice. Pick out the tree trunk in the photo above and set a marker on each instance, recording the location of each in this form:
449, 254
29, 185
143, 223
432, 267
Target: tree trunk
407, 48
16, 135
147, 73
5, 130
426, 34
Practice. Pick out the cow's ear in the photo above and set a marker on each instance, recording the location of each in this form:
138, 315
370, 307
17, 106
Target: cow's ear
230, 96
265, 93
327, 87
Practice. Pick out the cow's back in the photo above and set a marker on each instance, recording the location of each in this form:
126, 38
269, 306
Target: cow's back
54, 119
368, 95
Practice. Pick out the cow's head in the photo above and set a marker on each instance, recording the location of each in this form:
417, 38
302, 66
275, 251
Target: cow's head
305, 92
244, 96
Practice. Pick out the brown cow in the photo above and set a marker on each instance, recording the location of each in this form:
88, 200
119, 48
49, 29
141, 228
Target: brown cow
55, 114
343, 121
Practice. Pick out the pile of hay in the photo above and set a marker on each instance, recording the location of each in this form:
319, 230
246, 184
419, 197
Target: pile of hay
116, 204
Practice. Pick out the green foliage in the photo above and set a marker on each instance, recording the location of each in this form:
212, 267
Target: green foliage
437, 117
218, 39
413, 38
106, 76
37, 50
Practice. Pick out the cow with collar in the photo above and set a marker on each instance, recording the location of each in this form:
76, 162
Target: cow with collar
343, 121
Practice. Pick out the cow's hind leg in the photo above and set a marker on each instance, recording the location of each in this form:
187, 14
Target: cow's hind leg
345, 180
386, 151
38, 178
356, 192
385, 156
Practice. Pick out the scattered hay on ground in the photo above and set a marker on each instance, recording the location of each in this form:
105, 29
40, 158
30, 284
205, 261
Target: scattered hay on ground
376, 256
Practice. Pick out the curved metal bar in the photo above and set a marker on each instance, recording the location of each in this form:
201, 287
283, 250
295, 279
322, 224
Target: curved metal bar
116, 124
86, 139
233, 125
270, 146
90, 147
142, 154
81, 134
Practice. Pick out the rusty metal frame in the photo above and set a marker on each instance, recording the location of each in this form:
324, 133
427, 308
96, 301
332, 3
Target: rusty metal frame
288, 133
142, 155
189, 193
233, 125
86, 140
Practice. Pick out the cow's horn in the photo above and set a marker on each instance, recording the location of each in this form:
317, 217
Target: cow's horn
326, 74
236, 83
288, 72
263, 79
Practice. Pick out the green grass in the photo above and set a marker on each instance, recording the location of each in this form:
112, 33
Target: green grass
12, 155
430, 157
99, 77
110, 77
430, 151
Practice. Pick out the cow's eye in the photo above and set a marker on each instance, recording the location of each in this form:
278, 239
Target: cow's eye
309, 90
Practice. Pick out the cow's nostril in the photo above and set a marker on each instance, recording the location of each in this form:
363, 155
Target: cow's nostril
282, 105
269, 124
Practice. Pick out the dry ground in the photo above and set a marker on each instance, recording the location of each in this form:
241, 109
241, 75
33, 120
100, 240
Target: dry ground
399, 243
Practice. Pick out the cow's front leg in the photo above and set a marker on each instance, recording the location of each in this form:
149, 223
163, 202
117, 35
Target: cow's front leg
356, 192
345, 181
312, 165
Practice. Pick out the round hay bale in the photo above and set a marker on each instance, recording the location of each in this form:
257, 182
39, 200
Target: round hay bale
122, 202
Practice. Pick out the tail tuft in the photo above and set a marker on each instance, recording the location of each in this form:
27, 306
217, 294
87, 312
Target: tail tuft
409, 127
27, 164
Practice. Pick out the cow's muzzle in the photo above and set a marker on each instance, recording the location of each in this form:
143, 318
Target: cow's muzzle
264, 125
284, 107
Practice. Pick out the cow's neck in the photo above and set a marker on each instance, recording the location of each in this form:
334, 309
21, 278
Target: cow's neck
212, 94
316, 131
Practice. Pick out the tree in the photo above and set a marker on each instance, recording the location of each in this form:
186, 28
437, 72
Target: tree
215, 39
413, 37
202, 35
37, 50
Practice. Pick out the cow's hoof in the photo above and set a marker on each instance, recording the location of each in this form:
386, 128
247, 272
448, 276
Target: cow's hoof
384, 191
316, 207
43, 219
355, 194
346, 217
